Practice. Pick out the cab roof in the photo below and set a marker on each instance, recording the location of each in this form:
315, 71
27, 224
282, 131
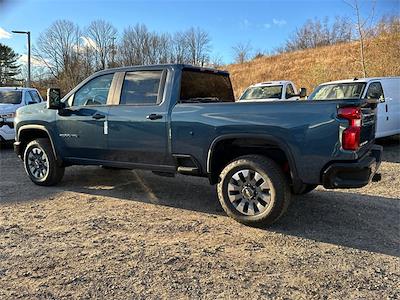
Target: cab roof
274, 82
16, 88
158, 66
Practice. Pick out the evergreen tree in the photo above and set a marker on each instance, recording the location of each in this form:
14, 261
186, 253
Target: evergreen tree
9, 66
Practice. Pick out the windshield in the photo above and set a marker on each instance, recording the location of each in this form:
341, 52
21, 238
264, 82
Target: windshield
10, 97
338, 91
263, 92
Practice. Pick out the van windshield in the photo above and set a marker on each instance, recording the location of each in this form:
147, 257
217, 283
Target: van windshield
10, 97
352, 90
263, 92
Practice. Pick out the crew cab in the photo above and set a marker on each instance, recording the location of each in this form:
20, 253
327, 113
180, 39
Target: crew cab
183, 119
11, 98
386, 89
272, 91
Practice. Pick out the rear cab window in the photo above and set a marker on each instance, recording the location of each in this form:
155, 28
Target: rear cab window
205, 86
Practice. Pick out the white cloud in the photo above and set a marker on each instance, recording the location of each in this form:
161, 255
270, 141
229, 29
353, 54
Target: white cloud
245, 23
280, 22
88, 42
34, 61
4, 34
267, 26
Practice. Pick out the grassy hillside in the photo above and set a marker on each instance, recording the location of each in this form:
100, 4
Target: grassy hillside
308, 68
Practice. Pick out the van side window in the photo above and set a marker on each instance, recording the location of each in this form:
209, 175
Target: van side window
142, 88
375, 91
95, 92
289, 91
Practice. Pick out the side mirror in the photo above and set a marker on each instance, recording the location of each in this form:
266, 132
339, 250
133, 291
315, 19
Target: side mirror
303, 92
54, 99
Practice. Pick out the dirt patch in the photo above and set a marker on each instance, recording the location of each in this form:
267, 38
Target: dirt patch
131, 234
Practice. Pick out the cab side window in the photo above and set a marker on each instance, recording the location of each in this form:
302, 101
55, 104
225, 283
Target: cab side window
28, 98
142, 88
375, 91
289, 91
95, 92
35, 96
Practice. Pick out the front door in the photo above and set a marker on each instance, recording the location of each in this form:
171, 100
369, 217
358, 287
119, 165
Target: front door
138, 132
375, 91
82, 127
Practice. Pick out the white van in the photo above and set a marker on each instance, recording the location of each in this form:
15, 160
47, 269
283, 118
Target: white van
386, 89
12, 98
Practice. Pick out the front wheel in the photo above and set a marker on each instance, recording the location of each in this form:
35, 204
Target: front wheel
40, 163
253, 190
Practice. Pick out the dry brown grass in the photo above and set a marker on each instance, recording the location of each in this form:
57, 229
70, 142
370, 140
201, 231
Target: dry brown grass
308, 68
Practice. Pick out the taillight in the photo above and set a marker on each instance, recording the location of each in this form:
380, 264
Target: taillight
351, 135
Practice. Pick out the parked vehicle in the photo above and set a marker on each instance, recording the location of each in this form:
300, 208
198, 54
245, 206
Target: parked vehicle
386, 89
12, 98
183, 119
272, 91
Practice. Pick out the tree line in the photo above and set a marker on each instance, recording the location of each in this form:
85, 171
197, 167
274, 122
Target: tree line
70, 53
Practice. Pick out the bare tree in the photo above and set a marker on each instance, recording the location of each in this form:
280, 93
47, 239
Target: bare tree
58, 48
102, 34
362, 30
242, 52
317, 33
198, 42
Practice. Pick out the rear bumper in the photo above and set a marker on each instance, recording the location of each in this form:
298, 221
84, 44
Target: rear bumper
353, 174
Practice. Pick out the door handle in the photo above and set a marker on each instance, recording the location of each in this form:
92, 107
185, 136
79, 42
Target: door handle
98, 116
154, 117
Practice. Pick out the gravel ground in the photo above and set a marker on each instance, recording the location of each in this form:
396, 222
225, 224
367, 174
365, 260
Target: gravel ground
134, 235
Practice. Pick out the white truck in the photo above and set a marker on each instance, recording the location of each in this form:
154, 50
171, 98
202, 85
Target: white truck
11, 98
386, 89
272, 91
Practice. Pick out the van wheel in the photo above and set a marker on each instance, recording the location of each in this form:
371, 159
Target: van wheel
253, 190
40, 163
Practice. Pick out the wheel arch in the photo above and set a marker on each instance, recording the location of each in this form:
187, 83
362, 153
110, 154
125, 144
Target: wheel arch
28, 133
266, 140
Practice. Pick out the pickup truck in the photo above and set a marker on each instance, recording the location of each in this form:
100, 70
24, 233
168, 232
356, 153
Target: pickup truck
184, 119
11, 98
272, 91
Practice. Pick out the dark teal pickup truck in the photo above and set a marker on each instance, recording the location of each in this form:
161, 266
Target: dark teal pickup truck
183, 119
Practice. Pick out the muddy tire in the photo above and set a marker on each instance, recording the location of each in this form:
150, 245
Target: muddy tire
40, 163
253, 190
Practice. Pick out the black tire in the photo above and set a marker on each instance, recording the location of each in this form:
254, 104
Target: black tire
35, 163
306, 188
277, 193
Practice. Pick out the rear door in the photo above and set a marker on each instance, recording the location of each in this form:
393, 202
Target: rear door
138, 132
82, 127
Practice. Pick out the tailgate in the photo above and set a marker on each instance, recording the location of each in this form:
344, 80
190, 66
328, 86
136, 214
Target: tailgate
368, 121
361, 117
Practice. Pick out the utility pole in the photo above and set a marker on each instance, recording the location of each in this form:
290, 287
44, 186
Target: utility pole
28, 33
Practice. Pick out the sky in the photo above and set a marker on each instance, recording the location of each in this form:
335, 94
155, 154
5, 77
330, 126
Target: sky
264, 24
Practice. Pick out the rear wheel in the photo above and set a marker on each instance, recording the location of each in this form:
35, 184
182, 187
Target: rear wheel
40, 163
253, 190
